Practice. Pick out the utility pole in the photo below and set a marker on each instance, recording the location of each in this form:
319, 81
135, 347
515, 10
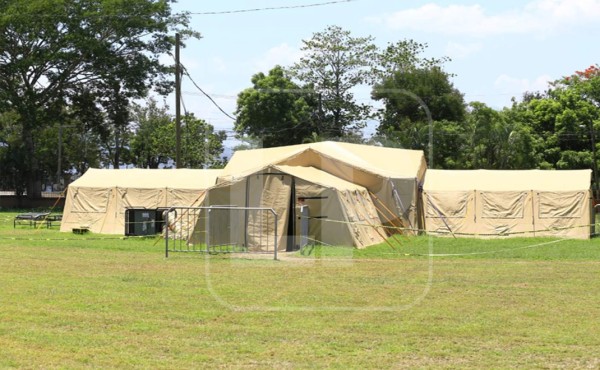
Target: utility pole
177, 103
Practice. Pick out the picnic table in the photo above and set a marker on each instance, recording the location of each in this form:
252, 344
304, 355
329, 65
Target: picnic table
34, 218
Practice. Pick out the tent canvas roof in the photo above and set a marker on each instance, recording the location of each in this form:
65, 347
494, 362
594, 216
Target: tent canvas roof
507, 180
389, 162
148, 178
316, 176
386, 162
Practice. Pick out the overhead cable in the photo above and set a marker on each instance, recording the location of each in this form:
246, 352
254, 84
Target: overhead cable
272, 8
185, 71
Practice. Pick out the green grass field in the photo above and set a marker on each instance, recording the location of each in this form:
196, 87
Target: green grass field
79, 301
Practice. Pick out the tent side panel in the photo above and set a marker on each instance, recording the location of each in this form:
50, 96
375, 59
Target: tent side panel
335, 215
505, 213
328, 223
563, 214
364, 223
86, 207
226, 227
185, 220
406, 200
452, 212
125, 198
68, 218
184, 198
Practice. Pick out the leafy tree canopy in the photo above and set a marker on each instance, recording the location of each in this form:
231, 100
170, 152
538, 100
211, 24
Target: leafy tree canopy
148, 147
97, 54
335, 62
417, 95
415, 98
276, 110
404, 56
153, 139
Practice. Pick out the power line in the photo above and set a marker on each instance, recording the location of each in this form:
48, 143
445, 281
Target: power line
185, 71
185, 112
272, 8
216, 96
222, 12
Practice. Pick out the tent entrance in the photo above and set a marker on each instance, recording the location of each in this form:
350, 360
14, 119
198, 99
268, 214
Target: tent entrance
274, 190
291, 229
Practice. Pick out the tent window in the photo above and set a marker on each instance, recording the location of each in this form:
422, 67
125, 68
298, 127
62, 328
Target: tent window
451, 204
503, 204
561, 204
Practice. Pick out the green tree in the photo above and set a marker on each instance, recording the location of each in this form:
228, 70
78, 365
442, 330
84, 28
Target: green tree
149, 149
153, 139
276, 110
335, 63
497, 140
404, 56
81, 149
563, 122
412, 95
585, 83
53, 51
414, 98
448, 142
11, 153
580, 92
201, 146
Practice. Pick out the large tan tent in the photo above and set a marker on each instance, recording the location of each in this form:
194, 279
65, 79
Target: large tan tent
338, 212
98, 199
391, 175
486, 203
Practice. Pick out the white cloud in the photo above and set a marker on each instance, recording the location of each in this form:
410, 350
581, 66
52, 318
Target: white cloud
188, 62
460, 51
515, 86
283, 55
214, 63
538, 17
219, 64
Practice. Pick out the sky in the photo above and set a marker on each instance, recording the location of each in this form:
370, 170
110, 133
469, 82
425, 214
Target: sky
499, 49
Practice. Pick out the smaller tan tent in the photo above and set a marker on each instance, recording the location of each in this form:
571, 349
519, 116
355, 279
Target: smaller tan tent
340, 212
485, 203
99, 198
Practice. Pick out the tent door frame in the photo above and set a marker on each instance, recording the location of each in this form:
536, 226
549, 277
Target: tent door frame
290, 234
291, 229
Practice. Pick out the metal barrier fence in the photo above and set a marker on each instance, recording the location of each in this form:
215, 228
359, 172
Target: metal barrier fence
220, 229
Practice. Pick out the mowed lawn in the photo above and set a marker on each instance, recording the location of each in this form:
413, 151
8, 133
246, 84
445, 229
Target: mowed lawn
105, 302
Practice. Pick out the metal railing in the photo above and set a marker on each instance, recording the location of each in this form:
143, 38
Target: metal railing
221, 229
